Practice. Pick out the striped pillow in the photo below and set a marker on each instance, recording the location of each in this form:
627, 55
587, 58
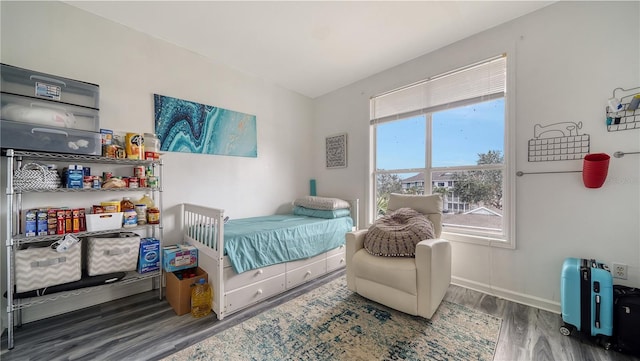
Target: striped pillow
322, 203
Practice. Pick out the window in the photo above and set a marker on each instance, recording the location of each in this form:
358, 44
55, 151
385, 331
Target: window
448, 135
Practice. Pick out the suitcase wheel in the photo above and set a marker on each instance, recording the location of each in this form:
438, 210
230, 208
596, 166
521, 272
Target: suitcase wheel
565, 330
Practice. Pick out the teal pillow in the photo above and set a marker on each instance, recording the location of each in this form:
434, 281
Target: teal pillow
318, 213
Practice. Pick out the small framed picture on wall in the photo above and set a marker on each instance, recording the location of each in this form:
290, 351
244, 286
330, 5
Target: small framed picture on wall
336, 150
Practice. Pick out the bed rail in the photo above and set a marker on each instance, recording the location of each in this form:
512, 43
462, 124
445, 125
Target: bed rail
203, 227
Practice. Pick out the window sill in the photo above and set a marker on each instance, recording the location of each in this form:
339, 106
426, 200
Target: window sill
479, 240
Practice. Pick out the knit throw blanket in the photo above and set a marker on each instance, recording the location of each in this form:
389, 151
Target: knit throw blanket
396, 234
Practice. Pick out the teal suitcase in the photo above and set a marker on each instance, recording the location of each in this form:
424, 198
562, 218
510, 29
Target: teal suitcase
586, 299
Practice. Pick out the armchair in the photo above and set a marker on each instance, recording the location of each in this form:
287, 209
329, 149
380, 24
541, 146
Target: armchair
412, 285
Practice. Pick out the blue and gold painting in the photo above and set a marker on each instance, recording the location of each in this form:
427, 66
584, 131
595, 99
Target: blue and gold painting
189, 127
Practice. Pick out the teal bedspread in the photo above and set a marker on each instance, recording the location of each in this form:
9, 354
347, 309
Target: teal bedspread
258, 242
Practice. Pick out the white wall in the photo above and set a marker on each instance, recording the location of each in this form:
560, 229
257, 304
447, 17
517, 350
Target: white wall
130, 67
569, 58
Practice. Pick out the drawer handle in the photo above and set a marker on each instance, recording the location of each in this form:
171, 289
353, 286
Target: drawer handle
45, 130
49, 106
308, 273
259, 292
341, 260
259, 272
44, 78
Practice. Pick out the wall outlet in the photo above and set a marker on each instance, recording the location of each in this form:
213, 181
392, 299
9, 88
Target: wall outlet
619, 270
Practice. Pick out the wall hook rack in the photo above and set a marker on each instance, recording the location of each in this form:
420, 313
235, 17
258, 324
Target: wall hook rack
521, 173
624, 90
620, 154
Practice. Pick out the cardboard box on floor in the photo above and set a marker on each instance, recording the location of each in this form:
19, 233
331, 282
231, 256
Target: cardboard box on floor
178, 292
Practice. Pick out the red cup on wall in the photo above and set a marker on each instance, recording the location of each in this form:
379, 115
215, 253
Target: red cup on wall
594, 169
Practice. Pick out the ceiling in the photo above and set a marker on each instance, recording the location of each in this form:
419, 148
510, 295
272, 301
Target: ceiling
310, 47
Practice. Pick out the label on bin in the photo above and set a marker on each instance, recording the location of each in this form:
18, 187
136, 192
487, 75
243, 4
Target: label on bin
48, 91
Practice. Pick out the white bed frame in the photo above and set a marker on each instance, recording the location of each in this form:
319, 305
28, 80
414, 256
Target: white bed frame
234, 292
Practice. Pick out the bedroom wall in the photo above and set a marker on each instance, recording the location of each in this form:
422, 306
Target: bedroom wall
569, 58
56, 38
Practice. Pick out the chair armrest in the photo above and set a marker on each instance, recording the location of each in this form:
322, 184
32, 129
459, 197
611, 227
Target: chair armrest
433, 262
355, 242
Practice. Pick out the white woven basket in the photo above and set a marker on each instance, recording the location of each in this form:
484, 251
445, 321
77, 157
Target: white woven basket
34, 176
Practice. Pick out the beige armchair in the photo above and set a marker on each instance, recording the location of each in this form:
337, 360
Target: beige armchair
412, 285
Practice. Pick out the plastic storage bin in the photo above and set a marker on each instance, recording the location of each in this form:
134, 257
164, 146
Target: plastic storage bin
44, 112
28, 136
41, 112
49, 87
104, 221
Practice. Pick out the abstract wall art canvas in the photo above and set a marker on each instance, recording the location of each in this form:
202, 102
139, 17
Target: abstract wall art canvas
189, 127
336, 151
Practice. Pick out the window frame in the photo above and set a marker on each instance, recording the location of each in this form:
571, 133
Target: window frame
508, 237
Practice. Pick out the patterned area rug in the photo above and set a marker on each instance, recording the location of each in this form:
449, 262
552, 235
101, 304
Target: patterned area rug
333, 323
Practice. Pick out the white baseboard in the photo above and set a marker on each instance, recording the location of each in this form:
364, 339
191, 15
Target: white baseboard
533, 301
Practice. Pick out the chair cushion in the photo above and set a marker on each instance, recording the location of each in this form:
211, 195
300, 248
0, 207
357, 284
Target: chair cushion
396, 273
396, 234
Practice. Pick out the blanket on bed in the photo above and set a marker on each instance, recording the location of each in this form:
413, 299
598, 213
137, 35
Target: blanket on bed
256, 242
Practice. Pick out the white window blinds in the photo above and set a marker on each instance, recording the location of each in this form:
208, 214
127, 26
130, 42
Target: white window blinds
478, 82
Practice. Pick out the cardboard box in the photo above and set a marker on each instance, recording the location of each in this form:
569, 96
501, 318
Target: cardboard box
179, 257
72, 176
149, 260
178, 291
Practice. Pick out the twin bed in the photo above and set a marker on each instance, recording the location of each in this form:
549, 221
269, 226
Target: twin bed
265, 256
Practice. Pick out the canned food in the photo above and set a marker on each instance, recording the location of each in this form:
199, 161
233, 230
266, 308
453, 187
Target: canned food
152, 181
95, 182
87, 181
139, 171
142, 182
133, 182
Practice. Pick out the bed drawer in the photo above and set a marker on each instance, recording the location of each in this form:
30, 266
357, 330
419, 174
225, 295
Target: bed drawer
232, 280
254, 293
336, 261
307, 272
335, 251
304, 262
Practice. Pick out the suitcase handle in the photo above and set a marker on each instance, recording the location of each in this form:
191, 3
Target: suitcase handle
597, 321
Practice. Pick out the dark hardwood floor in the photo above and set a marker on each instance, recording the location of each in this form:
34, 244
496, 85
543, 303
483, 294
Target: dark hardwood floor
141, 327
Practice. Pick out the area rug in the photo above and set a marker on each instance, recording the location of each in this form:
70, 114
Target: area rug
333, 323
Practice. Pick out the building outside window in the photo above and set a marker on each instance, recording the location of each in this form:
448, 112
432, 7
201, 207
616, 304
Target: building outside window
447, 135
